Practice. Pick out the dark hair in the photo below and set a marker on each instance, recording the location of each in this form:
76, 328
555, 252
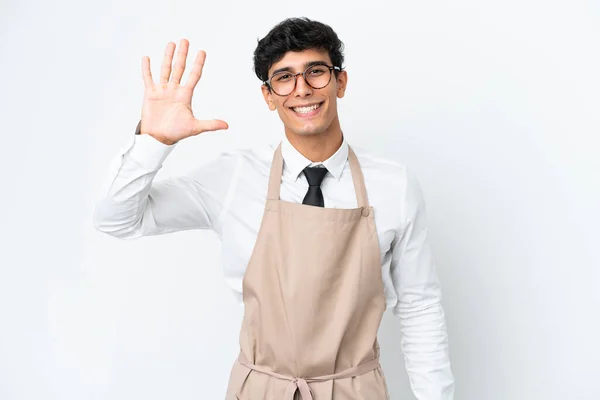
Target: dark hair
296, 34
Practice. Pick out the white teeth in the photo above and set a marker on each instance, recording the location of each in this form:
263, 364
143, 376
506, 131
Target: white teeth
306, 110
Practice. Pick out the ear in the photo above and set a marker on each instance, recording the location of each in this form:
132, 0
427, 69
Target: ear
268, 96
342, 81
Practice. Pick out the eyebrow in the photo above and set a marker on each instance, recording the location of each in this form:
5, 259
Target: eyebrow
306, 65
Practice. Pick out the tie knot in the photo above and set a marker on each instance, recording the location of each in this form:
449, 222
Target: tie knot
315, 175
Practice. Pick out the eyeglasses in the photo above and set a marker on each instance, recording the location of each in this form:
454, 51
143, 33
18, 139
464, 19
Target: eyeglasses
316, 76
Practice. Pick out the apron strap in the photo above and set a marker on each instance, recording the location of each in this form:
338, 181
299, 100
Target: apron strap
357, 177
276, 175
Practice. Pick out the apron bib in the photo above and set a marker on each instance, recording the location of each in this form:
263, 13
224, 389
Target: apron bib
314, 300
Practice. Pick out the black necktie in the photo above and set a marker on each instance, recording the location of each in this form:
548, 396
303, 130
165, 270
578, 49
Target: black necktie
314, 195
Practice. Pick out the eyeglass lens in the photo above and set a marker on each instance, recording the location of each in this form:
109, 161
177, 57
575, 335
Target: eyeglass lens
317, 76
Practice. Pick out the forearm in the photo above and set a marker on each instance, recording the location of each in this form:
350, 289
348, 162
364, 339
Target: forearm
425, 345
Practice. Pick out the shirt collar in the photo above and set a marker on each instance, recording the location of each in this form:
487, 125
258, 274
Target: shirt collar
294, 162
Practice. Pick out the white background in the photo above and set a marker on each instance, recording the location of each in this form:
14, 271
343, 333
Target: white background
495, 105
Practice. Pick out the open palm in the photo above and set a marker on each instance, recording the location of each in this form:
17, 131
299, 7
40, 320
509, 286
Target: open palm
167, 110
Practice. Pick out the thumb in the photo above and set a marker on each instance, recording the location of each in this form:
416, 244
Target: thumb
210, 125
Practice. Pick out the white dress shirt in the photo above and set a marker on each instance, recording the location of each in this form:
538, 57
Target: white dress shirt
228, 194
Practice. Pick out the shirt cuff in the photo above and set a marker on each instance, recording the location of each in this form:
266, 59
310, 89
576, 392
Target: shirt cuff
150, 153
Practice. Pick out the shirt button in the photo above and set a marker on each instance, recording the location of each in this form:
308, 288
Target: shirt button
365, 212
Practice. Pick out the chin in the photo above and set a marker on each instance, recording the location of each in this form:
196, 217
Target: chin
308, 129
305, 133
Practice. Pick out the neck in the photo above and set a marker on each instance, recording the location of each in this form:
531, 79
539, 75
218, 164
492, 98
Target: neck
318, 147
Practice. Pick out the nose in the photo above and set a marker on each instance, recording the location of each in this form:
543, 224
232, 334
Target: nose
302, 88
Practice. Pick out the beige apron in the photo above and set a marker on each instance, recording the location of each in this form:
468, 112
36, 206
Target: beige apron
314, 300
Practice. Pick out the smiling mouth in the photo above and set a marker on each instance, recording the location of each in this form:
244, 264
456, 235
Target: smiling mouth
307, 110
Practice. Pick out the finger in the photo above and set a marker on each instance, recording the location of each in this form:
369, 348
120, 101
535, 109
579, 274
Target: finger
210, 125
165, 70
146, 73
196, 72
179, 65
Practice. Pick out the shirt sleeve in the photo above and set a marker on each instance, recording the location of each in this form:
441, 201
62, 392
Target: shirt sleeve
134, 205
424, 337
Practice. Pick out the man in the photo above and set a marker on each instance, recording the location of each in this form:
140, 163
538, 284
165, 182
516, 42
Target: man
318, 241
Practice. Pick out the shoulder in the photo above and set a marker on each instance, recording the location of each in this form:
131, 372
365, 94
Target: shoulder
381, 169
395, 182
262, 151
246, 160
258, 153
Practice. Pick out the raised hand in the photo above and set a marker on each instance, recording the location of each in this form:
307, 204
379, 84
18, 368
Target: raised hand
167, 110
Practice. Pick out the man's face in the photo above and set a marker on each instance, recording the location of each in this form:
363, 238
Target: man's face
316, 121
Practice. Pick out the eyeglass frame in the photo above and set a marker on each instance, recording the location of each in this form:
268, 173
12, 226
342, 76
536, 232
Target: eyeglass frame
331, 68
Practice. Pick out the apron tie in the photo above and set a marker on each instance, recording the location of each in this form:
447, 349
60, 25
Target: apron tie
301, 384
